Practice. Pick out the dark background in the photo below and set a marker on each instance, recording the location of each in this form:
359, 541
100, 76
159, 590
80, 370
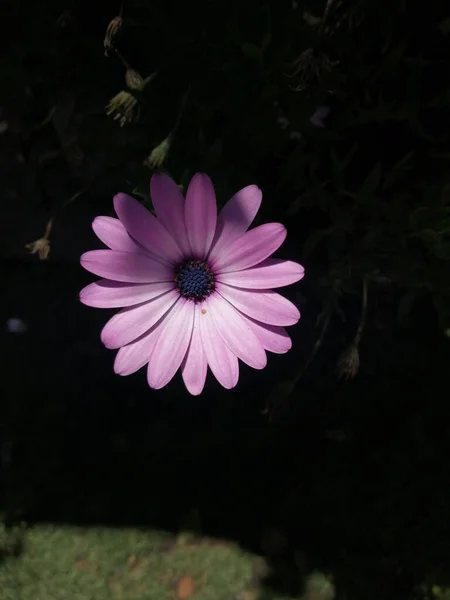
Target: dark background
354, 472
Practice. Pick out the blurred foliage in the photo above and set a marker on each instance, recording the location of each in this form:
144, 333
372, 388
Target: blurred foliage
211, 86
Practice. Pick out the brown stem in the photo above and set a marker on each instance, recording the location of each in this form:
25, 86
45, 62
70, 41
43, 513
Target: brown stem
362, 320
316, 346
122, 58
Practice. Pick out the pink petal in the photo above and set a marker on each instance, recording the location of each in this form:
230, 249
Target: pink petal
146, 229
251, 248
113, 294
127, 267
262, 305
133, 356
235, 218
114, 235
130, 323
172, 344
274, 339
222, 362
168, 203
194, 365
271, 273
200, 214
236, 332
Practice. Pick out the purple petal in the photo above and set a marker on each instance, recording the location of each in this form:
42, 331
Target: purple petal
114, 294
172, 344
200, 214
130, 323
251, 248
146, 229
274, 339
133, 356
265, 306
114, 235
271, 273
236, 332
222, 362
319, 115
168, 203
194, 365
127, 267
235, 218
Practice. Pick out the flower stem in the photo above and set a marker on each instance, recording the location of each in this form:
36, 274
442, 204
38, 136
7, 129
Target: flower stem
362, 320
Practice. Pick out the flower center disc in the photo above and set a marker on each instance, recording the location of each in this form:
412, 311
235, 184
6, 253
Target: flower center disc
194, 280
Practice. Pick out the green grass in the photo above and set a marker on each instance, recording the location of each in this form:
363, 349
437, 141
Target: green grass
71, 563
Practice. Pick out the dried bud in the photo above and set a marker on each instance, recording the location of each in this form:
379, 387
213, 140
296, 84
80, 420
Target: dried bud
348, 363
112, 31
310, 66
133, 80
159, 154
65, 19
320, 114
318, 587
311, 20
124, 107
41, 247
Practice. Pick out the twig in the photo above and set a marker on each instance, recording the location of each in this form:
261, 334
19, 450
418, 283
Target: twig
362, 320
286, 389
316, 347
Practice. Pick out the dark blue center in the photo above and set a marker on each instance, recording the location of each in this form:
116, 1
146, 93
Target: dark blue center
194, 280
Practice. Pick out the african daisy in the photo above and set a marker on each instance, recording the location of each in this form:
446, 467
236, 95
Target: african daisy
194, 286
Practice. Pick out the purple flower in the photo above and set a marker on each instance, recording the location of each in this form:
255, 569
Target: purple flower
194, 286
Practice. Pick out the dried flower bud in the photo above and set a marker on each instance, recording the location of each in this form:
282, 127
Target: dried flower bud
159, 154
320, 114
65, 19
318, 587
348, 363
310, 66
133, 80
41, 247
124, 107
112, 31
311, 20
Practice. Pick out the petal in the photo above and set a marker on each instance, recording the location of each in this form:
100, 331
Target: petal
131, 323
133, 356
200, 214
114, 294
271, 273
235, 218
221, 360
114, 235
194, 365
168, 203
128, 267
146, 229
274, 339
251, 248
262, 305
172, 344
236, 332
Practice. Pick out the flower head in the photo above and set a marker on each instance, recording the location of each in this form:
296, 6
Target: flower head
125, 108
194, 286
159, 154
